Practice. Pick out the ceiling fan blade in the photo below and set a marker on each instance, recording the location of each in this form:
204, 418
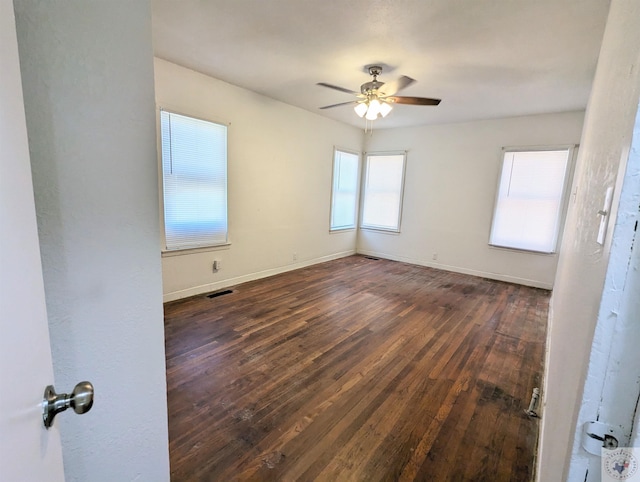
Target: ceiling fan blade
412, 100
338, 105
391, 88
335, 87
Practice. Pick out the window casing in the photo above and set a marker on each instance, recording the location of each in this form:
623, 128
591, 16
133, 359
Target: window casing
530, 199
194, 179
344, 193
382, 191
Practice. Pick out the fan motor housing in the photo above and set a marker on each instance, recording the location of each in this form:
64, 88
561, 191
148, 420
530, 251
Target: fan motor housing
368, 87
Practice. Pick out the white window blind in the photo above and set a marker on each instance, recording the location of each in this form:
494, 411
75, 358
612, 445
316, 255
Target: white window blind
194, 174
382, 197
530, 199
344, 195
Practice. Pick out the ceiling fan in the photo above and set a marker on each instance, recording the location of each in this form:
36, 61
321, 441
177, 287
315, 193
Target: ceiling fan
375, 98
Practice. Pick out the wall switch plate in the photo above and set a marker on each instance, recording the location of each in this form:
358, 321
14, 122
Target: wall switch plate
604, 216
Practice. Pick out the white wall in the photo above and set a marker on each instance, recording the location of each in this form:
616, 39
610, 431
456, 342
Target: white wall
88, 85
583, 263
280, 166
450, 188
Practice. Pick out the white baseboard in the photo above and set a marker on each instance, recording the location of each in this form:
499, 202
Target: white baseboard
197, 290
457, 269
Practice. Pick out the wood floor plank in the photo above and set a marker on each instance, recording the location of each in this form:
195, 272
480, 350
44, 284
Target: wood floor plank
355, 369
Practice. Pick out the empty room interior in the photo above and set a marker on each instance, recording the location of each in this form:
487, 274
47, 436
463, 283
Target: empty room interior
366, 240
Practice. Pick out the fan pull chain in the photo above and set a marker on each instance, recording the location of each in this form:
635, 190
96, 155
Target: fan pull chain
368, 127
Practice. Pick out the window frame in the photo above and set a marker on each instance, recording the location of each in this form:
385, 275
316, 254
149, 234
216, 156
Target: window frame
564, 199
356, 207
165, 251
365, 176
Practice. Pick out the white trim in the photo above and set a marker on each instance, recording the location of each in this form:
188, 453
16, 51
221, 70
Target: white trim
176, 110
197, 290
520, 250
458, 269
204, 249
551, 147
380, 230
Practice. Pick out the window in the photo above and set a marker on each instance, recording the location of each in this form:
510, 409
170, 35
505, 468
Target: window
194, 177
382, 198
529, 205
344, 195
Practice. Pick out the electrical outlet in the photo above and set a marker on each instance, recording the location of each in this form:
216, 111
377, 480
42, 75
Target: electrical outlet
216, 265
295, 256
435, 256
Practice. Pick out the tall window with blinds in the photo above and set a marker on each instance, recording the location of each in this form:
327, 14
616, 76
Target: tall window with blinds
344, 193
194, 177
529, 205
383, 186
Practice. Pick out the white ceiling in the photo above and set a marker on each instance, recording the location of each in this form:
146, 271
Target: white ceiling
483, 58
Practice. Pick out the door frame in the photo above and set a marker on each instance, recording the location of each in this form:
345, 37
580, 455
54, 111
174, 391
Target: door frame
612, 386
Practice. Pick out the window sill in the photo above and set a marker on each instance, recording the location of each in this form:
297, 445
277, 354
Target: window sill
380, 230
206, 249
341, 230
521, 250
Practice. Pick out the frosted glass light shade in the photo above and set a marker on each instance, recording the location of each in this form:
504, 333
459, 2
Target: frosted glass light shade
361, 109
385, 108
374, 109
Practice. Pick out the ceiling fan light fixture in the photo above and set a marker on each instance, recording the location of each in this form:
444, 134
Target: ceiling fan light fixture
361, 109
373, 102
385, 108
374, 109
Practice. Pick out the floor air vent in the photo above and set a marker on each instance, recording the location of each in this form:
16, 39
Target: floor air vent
219, 293
373, 258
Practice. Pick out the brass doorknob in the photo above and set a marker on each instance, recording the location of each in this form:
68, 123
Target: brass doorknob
81, 400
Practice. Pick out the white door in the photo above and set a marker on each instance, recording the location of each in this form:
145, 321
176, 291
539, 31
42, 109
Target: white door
612, 388
28, 451
621, 387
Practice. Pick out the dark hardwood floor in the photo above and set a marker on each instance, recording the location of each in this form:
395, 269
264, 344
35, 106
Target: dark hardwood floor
356, 369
